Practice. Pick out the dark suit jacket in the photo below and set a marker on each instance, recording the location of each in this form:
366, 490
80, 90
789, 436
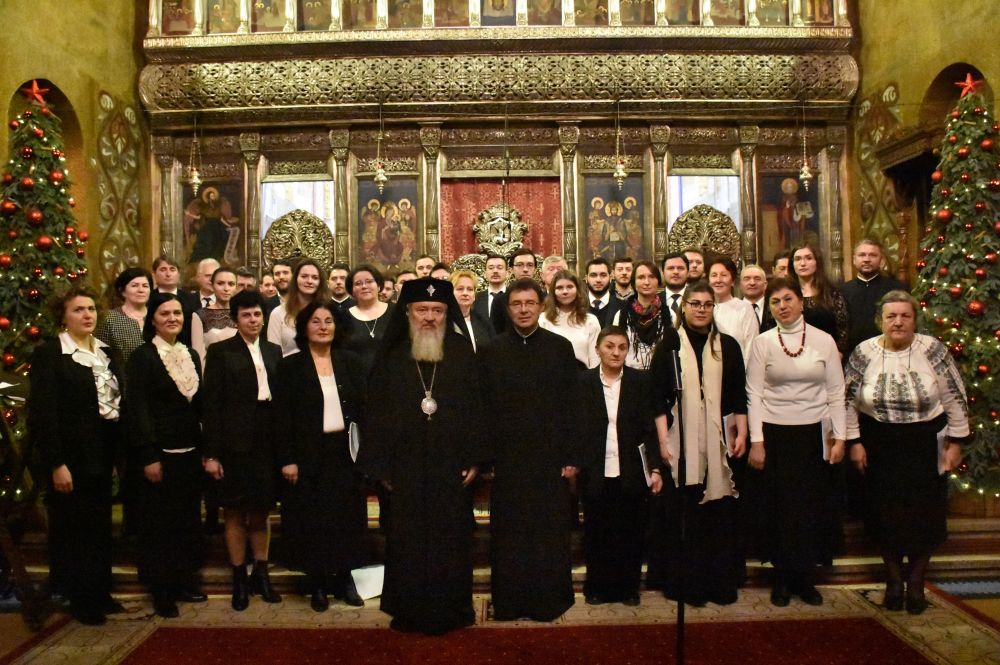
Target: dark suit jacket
606, 314
498, 318
481, 328
300, 406
635, 426
63, 417
158, 416
231, 394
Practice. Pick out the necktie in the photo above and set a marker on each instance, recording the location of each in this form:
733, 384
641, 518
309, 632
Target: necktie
207, 300
597, 303
673, 305
756, 312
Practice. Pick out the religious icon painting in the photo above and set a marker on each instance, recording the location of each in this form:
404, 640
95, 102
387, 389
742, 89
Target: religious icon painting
788, 214
451, 13
591, 12
683, 12
772, 12
214, 226
223, 16
817, 12
638, 12
544, 12
267, 16
613, 218
178, 17
314, 14
498, 12
406, 14
358, 14
387, 223
727, 12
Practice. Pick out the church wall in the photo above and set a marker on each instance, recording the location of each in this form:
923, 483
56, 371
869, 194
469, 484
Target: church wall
84, 48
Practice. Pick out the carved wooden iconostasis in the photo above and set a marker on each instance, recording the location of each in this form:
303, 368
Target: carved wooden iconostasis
701, 103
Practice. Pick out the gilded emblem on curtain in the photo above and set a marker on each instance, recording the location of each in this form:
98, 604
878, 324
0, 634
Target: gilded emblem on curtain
708, 229
298, 234
500, 230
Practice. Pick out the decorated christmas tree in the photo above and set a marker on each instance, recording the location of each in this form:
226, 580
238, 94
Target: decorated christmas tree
40, 251
959, 283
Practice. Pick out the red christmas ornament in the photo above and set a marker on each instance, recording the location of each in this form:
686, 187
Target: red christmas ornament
43, 243
8, 208
956, 325
956, 350
34, 294
952, 139
975, 308
70, 230
80, 251
994, 414
12, 234
983, 370
27, 183
83, 270
71, 276
994, 185
932, 291
27, 152
978, 110
955, 115
35, 217
936, 177
57, 153
996, 333
27, 114
9, 359
939, 320
940, 240
955, 292
980, 206
991, 258
921, 265
968, 226
72, 202
981, 273
943, 271
923, 304
34, 332
58, 271
925, 250
10, 415
83, 235
963, 152
68, 242
14, 124
969, 258
39, 132
945, 192
5, 261
4, 323
56, 177
996, 228
36, 271
7, 178
944, 215
986, 144
996, 127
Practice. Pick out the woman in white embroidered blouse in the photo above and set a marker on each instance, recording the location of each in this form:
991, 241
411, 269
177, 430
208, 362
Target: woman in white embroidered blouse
904, 392
796, 388
567, 314
733, 316
308, 285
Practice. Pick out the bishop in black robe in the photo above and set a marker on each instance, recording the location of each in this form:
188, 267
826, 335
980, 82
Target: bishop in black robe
428, 570
532, 383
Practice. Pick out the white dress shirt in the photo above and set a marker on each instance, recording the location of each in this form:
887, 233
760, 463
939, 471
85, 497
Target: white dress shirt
612, 391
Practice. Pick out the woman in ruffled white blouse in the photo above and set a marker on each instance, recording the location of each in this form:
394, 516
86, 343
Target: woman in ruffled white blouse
73, 413
904, 392
567, 314
733, 316
163, 415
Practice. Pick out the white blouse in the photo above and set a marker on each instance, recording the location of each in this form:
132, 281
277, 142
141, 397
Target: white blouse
333, 414
583, 337
281, 332
795, 391
735, 318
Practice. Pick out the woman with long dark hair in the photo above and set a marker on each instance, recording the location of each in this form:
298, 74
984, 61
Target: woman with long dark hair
643, 315
824, 305
308, 285
567, 314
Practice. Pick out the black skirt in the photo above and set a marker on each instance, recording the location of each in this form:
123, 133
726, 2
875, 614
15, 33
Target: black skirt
248, 479
908, 497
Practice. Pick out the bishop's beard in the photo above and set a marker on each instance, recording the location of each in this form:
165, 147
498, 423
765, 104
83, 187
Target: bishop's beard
427, 345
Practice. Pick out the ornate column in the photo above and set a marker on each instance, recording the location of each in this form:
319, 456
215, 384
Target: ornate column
661, 12
614, 12
749, 135
199, 17
521, 12
155, 18
339, 141
336, 17
795, 7
568, 9
842, 19
752, 19
428, 14
250, 147
475, 14
835, 251
659, 139
245, 6
430, 140
291, 16
163, 151
706, 13
381, 14
569, 138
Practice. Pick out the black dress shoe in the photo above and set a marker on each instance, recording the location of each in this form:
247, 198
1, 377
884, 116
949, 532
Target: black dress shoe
351, 596
241, 589
88, 616
809, 595
893, 599
591, 599
191, 595
916, 604
112, 606
318, 601
166, 608
632, 601
780, 597
261, 583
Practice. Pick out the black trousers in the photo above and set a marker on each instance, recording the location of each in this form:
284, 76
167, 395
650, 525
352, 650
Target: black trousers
613, 527
80, 541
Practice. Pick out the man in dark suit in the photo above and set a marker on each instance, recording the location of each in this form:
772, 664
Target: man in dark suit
617, 420
864, 291
602, 303
491, 304
675, 275
167, 273
338, 287
238, 437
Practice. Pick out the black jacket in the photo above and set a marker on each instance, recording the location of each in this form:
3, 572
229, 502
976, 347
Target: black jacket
231, 394
635, 426
63, 416
300, 406
498, 317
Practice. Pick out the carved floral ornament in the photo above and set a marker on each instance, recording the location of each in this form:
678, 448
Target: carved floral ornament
705, 227
298, 233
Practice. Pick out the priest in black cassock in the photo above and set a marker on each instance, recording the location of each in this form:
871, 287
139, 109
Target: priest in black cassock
424, 443
531, 378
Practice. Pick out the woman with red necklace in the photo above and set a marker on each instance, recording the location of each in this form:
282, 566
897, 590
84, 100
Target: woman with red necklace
797, 429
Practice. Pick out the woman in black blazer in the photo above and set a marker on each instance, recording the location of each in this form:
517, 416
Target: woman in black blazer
239, 448
478, 327
164, 430
73, 414
319, 392
614, 478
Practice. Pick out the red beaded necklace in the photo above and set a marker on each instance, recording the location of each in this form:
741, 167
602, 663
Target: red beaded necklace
802, 346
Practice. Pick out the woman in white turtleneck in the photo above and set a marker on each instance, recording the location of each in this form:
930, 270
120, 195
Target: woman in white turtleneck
797, 426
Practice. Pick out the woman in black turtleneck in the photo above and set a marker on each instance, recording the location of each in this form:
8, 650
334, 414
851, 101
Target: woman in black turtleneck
714, 407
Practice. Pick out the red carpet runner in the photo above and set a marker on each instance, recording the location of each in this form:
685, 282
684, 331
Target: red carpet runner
816, 642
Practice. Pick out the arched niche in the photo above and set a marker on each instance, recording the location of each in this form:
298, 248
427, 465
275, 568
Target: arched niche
942, 94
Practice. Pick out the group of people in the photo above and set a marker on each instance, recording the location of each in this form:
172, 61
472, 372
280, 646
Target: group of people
651, 393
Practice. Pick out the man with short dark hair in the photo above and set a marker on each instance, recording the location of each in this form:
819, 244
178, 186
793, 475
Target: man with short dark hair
425, 263
621, 271
342, 300
403, 277
523, 263
675, 278
167, 274
598, 277
491, 303
531, 376
245, 281
864, 291
696, 264
441, 270
424, 444
388, 292
781, 260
